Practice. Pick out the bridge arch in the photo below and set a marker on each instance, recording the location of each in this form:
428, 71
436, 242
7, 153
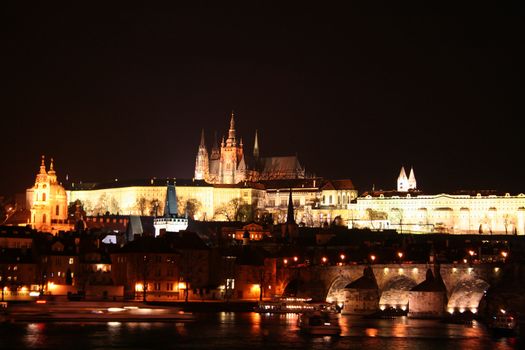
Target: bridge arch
395, 292
466, 295
336, 292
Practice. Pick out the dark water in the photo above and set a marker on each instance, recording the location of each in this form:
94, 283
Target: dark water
251, 331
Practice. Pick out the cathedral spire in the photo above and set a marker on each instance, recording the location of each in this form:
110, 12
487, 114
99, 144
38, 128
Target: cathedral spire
231, 132
202, 144
412, 184
43, 165
256, 146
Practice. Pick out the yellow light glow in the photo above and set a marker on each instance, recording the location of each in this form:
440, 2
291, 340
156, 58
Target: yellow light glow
139, 287
50, 286
256, 288
182, 285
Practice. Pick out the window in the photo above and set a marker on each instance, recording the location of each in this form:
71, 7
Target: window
156, 286
71, 261
44, 218
58, 210
43, 197
169, 286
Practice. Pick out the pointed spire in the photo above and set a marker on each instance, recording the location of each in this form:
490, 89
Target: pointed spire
412, 183
215, 144
232, 121
43, 165
402, 173
256, 146
51, 168
202, 144
290, 217
231, 132
170, 209
402, 181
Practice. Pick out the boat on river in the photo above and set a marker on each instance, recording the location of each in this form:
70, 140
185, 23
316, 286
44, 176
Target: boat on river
319, 322
285, 305
44, 311
503, 323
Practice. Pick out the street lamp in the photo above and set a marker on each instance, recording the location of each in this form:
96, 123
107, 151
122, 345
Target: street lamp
342, 256
400, 255
324, 259
285, 261
504, 254
295, 258
372, 258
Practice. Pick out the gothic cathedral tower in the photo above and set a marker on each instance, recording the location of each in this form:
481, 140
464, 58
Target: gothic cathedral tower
202, 167
231, 155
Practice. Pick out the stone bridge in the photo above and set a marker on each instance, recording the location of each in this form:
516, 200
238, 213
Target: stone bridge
465, 283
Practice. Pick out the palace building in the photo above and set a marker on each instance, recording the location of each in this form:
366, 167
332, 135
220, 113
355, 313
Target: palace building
409, 210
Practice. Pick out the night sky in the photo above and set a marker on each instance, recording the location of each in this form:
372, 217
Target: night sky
123, 93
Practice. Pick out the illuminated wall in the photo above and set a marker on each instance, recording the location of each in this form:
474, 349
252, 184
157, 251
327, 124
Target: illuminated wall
143, 200
442, 213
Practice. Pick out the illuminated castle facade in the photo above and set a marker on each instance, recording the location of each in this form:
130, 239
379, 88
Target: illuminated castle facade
229, 164
48, 202
409, 210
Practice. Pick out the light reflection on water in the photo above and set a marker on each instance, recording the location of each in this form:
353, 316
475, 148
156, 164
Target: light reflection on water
229, 330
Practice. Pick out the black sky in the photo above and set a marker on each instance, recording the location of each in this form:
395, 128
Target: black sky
123, 93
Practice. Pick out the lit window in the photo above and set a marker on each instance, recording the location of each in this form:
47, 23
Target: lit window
71, 261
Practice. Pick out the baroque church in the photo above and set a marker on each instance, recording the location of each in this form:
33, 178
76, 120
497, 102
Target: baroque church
229, 164
47, 200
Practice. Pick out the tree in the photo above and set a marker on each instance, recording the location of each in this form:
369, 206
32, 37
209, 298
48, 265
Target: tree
189, 207
102, 205
114, 206
154, 207
141, 205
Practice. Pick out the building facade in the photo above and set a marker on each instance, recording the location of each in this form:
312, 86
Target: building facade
48, 201
466, 212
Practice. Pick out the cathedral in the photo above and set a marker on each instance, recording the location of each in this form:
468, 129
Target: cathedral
229, 164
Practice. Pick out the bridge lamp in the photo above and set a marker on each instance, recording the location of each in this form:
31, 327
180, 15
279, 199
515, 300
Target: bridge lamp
373, 258
342, 256
295, 258
471, 253
285, 261
324, 259
504, 254
400, 254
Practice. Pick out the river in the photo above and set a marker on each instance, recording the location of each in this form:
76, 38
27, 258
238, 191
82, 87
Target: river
229, 330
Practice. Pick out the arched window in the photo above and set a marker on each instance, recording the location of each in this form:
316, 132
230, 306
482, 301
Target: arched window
43, 197
44, 218
58, 210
